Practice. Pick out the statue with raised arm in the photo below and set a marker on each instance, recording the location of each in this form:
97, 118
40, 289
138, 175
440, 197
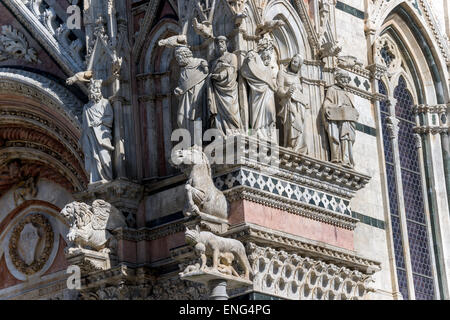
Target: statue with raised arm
96, 139
293, 104
223, 97
258, 74
340, 115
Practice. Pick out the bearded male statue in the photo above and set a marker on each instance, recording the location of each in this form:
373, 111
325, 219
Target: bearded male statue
258, 74
191, 88
223, 97
340, 116
96, 139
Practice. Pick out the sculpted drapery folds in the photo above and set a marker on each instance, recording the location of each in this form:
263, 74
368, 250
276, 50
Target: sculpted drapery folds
96, 140
257, 72
223, 97
340, 116
293, 104
191, 87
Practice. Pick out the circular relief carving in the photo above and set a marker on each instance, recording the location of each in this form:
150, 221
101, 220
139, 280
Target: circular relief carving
31, 244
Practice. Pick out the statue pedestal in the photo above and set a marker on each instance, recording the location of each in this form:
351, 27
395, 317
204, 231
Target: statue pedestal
216, 282
209, 223
89, 260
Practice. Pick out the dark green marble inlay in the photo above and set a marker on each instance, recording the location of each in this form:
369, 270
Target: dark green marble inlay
376, 223
350, 10
366, 129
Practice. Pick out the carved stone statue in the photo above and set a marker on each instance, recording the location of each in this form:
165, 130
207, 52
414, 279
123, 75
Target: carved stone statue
191, 87
96, 140
293, 104
257, 72
25, 190
91, 226
223, 97
202, 197
340, 115
222, 251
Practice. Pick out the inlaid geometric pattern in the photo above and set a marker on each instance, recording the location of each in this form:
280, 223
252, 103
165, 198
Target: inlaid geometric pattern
279, 187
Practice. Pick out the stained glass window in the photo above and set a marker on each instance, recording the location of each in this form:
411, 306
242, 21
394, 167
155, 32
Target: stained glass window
411, 181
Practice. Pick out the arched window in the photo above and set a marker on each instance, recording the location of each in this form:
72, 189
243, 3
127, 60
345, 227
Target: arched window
407, 204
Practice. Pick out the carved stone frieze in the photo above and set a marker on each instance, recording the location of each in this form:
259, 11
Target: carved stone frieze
271, 238
293, 276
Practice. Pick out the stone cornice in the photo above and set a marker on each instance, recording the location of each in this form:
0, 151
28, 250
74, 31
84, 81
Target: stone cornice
294, 244
44, 90
124, 194
302, 209
297, 168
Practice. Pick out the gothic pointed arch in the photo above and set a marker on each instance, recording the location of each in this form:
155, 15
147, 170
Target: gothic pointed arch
412, 78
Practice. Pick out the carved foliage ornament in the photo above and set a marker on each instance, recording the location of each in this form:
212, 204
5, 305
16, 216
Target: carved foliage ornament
31, 244
13, 45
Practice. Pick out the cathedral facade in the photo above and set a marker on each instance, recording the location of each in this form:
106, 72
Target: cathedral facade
224, 149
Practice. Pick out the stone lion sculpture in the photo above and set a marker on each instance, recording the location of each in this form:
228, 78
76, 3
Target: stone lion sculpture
91, 226
203, 198
221, 250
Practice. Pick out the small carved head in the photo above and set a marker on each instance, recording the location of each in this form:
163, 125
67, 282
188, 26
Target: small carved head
183, 55
221, 44
342, 77
14, 168
296, 63
192, 235
95, 90
189, 157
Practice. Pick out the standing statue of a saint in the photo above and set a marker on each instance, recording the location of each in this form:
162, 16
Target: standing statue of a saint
293, 103
191, 88
258, 74
223, 97
340, 115
96, 139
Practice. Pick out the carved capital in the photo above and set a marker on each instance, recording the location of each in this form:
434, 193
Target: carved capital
392, 127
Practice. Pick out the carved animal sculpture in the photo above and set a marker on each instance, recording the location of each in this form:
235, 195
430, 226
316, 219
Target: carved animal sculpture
268, 26
83, 76
173, 41
349, 62
203, 198
208, 244
91, 226
203, 29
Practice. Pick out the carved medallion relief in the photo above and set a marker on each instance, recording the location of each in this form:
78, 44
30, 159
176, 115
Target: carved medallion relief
31, 246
